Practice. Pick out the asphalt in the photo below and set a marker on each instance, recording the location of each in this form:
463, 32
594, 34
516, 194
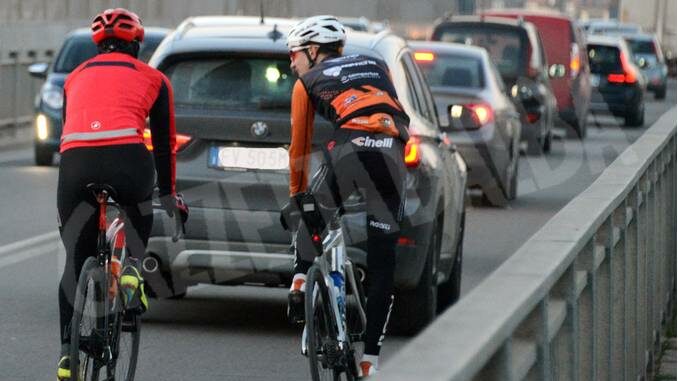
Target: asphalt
239, 333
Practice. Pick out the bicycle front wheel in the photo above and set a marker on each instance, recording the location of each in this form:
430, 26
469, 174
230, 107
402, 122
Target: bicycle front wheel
88, 324
324, 354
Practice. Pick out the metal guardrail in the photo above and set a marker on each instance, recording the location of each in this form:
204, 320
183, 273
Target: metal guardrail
583, 299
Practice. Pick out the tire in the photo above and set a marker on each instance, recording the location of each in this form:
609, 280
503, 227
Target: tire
534, 147
512, 191
88, 313
635, 118
660, 93
495, 196
44, 156
126, 343
321, 330
547, 142
450, 290
415, 309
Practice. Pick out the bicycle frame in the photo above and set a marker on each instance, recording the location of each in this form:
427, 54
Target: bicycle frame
334, 258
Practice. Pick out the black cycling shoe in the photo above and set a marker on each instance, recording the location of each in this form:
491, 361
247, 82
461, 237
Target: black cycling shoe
295, 307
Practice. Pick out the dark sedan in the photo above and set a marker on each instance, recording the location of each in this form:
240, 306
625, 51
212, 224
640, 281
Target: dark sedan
77, 48
232, 88
476, 113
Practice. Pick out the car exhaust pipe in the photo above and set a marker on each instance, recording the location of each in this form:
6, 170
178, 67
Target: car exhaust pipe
150, 264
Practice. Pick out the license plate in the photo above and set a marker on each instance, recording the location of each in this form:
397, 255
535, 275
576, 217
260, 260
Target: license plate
595, 80
249, 158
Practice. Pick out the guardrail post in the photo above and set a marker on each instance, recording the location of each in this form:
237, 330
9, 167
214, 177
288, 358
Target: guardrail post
586, 261
565, 344
634, 327
14, 55
603, 303
617, 250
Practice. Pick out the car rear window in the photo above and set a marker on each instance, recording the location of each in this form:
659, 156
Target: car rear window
604, 59
505, 46
641, 46
232, 83
453, 70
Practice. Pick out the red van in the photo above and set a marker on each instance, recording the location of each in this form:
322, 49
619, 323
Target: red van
565, 47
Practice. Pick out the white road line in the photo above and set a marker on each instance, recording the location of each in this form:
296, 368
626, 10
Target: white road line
19, 246
27, 254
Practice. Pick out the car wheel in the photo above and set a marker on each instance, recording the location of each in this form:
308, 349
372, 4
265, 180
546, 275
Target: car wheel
415, 309
660, 93
43, 155
547, 141
513, 182
534, 146
635, 118
449, 291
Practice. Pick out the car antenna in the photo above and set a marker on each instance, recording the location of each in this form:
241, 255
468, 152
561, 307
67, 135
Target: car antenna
275, 34
261, 12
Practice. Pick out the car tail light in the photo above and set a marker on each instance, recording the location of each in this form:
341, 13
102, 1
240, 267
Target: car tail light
628, 76
533, 116
471, 115
424, 56
413, 152
406, 241
181, 140
575, 61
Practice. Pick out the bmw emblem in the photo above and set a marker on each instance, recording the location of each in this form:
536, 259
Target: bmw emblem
260, 130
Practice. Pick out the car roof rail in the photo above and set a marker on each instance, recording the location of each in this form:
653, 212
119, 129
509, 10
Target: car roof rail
521, 20
183, 28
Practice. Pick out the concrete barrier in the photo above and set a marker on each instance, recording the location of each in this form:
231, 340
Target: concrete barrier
583, 299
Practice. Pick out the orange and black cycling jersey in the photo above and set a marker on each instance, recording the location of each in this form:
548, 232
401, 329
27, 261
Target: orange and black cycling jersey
353, 92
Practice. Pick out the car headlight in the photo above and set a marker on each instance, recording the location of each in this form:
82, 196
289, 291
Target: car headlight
42, 127
53, 96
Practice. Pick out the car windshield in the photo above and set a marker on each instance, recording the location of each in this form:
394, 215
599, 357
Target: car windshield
75, 51
604, 59
78, 49
232, 83
453, 70
505, 46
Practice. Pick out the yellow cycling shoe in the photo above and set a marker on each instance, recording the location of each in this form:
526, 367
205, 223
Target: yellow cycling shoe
64, 368
132, 286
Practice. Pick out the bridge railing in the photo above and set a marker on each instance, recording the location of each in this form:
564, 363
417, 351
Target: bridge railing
583, 299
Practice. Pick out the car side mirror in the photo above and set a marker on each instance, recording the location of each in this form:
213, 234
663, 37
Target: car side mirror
557, 71
38, 70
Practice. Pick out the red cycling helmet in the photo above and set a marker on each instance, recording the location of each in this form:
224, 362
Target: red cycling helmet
117, 23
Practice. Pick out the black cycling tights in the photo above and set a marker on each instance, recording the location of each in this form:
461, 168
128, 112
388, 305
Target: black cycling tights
380, 174
129, 169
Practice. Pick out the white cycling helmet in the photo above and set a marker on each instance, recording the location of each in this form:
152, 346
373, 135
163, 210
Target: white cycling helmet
318, 29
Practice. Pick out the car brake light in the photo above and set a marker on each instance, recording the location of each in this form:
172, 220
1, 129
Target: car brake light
424, 56
412, 152
575, 61
533, 117
405, 241
483, 112
627, 77
181, 140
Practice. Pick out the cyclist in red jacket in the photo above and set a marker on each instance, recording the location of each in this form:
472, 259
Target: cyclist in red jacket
106, 102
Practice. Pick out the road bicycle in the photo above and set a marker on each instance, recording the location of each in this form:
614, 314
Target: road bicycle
335, 301
104, 334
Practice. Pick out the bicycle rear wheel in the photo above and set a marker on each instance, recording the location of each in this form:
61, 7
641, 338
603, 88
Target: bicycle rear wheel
124, 342
323, 351
87, 325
